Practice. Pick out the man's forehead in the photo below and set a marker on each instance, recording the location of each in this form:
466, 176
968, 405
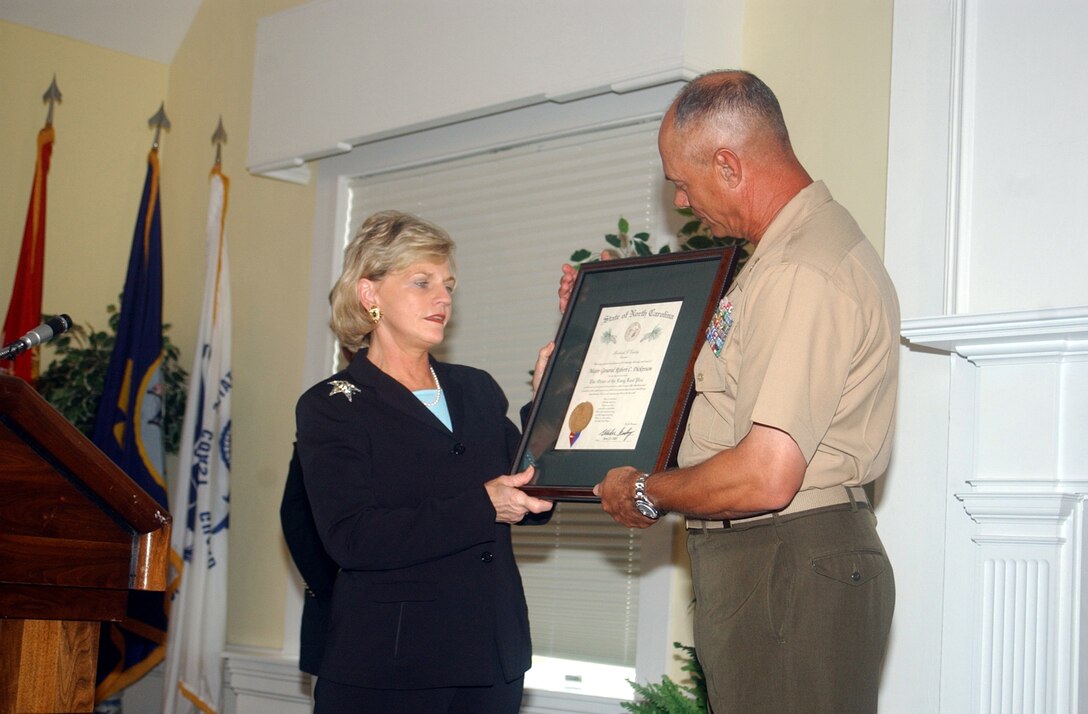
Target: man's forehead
670, 148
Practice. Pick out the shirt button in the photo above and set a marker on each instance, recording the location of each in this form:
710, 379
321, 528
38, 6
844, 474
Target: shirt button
487, 556
699, 376
458, 449
855, 576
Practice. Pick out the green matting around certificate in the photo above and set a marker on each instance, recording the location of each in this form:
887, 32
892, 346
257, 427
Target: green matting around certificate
698, 279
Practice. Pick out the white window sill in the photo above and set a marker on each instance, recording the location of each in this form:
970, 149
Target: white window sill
586, 678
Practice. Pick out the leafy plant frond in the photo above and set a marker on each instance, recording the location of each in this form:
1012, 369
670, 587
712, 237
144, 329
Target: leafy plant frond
668, 697
74, 380
693, 235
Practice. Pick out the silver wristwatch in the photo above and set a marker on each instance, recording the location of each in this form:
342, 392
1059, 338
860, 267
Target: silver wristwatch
642, 503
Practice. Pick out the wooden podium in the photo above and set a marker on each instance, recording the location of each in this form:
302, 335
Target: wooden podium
76, 535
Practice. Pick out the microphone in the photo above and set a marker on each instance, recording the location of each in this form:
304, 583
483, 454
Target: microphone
42, 333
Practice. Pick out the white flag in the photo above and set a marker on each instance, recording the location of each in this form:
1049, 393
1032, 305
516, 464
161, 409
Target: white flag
201, 495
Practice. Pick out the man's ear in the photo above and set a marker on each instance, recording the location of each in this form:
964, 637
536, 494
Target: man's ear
727, 164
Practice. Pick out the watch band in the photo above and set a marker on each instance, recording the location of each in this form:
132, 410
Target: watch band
644, 505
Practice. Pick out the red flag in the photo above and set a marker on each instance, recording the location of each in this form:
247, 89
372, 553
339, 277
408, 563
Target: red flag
25, 308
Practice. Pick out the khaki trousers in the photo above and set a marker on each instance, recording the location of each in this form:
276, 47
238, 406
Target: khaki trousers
792, 614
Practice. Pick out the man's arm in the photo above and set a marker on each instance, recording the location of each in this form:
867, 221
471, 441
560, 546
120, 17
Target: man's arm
762, 473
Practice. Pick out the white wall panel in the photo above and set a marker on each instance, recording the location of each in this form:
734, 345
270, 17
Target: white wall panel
1072, 418
911, 502
985, 243
1017, 421
1024, 150
920, 213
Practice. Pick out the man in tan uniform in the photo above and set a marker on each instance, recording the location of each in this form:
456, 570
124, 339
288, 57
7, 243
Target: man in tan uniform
794, 408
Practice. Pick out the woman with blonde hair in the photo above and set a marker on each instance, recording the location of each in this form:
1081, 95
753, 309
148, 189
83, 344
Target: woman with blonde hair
404, 460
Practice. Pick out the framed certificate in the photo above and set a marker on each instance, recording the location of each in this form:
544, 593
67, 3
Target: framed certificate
619, 384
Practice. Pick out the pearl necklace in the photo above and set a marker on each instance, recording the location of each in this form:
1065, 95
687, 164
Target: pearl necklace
438, 391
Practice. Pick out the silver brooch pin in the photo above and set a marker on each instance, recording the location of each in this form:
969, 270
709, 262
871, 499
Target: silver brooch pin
340, 386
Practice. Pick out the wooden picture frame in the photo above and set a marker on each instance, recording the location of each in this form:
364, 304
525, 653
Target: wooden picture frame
619, 384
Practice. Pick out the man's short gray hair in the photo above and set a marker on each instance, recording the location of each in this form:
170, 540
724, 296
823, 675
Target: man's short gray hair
734, 100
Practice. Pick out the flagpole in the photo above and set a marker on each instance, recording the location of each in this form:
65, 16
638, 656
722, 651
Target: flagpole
201, 498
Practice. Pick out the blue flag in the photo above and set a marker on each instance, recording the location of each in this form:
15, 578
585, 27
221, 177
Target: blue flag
129, 429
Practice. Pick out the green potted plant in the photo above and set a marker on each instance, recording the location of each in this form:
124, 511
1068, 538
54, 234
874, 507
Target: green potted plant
73, 381
668, 697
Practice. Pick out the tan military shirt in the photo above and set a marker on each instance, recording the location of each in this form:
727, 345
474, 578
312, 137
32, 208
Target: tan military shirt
812, 348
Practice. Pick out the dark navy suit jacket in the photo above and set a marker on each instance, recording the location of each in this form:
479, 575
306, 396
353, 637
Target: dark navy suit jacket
429, 594
318, 570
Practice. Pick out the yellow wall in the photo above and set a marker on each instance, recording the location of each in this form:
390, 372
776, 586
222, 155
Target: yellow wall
269, 229
99, 163
828, 61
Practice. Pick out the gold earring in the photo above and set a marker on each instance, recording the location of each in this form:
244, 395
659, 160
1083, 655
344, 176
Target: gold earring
375, 314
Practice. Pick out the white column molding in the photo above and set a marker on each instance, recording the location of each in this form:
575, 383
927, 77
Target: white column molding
1016, 635
1015, 568
1052, 335
997, 510
264, 682
1029, 594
